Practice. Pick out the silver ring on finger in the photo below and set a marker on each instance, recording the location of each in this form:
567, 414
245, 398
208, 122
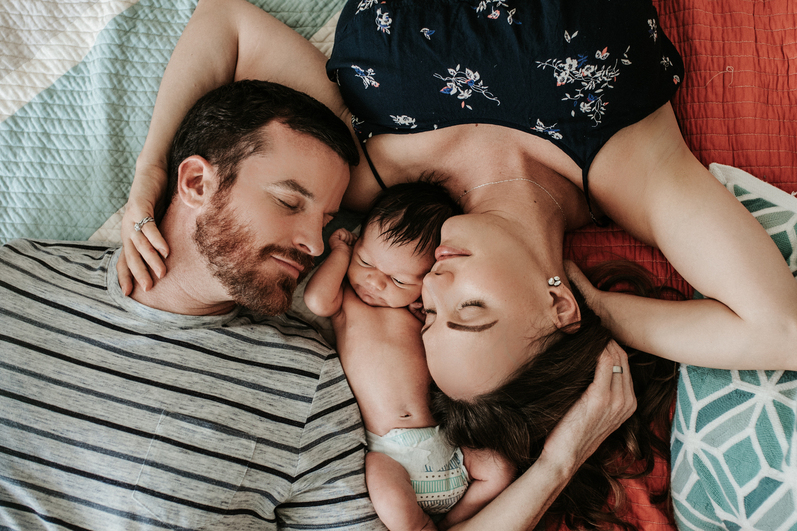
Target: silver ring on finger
140, 225
616, 369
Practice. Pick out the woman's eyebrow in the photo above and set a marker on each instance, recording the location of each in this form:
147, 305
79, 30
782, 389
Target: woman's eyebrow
464, 328
470, 328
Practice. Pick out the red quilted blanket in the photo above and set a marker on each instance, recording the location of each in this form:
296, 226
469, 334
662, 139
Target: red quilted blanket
737, 106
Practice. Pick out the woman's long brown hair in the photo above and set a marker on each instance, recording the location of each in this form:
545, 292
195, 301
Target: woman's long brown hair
516, 418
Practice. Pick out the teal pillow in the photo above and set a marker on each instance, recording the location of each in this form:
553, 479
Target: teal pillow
733, 440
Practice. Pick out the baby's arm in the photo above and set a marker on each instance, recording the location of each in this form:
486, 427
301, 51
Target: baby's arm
392, 494
324, 292
490, 474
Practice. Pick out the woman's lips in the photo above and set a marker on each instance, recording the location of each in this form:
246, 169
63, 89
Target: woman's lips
444, 252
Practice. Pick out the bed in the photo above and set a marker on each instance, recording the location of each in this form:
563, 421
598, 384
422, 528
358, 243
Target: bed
78, 81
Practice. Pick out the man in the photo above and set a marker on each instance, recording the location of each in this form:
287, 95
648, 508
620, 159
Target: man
176, 408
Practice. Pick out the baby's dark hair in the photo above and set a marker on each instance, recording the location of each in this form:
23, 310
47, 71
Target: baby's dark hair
413, 212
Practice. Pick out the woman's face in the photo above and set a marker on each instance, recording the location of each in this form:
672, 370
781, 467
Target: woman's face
485, 305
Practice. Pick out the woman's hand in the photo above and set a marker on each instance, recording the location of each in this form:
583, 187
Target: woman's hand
605, 405
144, 248
581, 282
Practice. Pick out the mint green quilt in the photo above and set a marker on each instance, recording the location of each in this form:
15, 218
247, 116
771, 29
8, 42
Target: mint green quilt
78, 81
734, 438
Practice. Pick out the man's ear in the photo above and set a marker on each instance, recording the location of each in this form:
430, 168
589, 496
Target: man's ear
196, 180
566, 310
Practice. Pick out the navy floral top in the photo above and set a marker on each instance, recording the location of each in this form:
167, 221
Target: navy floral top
571, 71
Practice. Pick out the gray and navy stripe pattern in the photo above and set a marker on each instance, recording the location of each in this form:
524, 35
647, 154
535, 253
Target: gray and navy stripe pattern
114, 415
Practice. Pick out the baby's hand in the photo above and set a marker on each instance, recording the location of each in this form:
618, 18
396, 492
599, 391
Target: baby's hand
416, 309
342, 239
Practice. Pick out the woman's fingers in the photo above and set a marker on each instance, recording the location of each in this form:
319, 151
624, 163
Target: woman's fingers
152, 248
623, 396
144, 249
125, 276
135, 266
604, 406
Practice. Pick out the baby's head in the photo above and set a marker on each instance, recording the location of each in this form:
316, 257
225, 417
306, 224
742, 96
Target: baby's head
397, 242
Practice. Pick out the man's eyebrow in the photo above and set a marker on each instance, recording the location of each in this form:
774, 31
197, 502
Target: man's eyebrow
294, 186
464, 328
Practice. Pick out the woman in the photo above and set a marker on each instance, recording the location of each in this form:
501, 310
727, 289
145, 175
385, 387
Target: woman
516, 417
521, 185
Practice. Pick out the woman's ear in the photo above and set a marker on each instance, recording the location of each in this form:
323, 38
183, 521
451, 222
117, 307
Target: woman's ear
195, 180
566, 310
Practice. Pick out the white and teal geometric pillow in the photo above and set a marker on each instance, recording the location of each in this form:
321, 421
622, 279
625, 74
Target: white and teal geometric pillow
734, 437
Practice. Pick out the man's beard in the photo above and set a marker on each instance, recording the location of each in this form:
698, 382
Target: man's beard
227, 246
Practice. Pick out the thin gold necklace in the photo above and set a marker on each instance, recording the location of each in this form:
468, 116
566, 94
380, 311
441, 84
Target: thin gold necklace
535, 183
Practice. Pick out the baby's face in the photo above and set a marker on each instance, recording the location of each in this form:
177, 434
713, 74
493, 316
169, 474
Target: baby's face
385, 275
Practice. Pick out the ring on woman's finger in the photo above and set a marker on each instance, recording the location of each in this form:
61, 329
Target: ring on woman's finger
140, 225
617, 369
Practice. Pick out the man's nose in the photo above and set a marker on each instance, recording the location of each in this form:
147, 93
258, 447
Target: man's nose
308, 237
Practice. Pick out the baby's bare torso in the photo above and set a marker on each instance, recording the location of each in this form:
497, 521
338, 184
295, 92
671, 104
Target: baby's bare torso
384, 360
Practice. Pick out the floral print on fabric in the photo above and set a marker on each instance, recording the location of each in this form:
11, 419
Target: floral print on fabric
495, 13
366, 75
590, 80
356, 124
365, 5
404, 120
383, 21
654, 29
463, 84
549, 130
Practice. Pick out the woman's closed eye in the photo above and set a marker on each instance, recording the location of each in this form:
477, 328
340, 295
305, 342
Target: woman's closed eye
474, 303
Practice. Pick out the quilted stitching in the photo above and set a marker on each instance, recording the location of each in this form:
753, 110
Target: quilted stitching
67, 156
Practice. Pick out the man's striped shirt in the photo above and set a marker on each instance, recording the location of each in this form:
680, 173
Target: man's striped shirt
114, 415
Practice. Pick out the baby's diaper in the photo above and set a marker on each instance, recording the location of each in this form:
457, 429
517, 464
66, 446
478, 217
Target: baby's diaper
436, 468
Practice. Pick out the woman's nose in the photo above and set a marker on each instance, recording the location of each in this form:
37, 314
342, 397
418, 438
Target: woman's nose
436, 278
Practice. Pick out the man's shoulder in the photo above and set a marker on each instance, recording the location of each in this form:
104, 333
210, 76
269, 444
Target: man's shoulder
31, 261
52, 249
285, 339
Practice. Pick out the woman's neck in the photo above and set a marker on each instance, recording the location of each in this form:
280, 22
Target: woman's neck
535, 213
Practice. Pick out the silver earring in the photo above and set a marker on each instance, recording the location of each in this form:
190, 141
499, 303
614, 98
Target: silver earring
554, 281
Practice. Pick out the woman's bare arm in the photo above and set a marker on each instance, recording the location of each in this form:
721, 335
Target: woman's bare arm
225, 41
650, 183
